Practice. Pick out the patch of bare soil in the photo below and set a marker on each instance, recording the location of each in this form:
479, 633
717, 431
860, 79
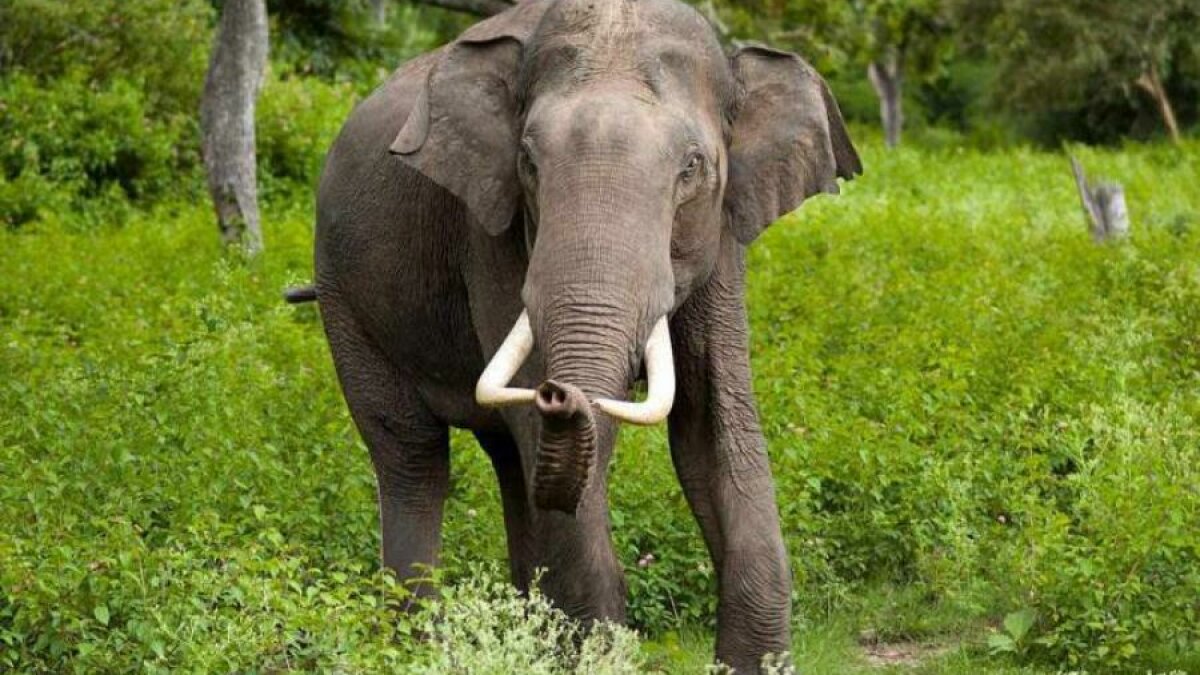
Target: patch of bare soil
898, 654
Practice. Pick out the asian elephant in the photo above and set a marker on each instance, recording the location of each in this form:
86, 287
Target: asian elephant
516, 228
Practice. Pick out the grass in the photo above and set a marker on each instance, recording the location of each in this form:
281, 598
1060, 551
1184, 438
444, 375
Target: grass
973, 413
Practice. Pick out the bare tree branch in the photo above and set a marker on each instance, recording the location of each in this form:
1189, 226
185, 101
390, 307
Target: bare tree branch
1104, 204
1150, 82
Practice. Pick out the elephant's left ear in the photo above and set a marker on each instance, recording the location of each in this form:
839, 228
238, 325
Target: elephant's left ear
462, 132
789, 140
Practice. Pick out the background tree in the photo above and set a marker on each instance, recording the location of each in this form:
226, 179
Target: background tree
380, 9
1086, 53
360, 42
900, 36
235, 74
889, 40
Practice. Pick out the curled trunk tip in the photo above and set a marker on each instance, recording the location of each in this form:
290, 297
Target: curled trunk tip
566, 448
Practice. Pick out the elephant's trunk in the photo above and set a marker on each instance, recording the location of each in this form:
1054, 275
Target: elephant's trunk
598, 286
566, 448
589, 344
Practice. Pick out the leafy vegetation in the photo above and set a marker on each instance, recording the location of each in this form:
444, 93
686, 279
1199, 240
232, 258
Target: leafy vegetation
99, 100
984, 428
981, 425
91, 110
1090, 65
1080, 70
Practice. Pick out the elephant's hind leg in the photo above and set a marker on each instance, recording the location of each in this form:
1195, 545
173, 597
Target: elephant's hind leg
409, 448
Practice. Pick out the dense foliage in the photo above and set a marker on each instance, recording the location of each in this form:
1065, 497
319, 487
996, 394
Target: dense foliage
99, 100
1075, 66
97, 103
984, 428
966, 401
342, 40
1047, 71
839, 37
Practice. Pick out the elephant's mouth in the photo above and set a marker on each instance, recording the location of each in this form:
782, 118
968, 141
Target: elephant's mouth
567, 445
492, 390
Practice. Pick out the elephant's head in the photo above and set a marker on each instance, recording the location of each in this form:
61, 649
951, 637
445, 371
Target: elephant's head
626, 144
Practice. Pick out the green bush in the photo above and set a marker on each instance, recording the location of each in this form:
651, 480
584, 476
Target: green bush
82, 147
483, 626
297, 121
341, 41
963, 393
159, 45
95, 144
964, 399
98, 103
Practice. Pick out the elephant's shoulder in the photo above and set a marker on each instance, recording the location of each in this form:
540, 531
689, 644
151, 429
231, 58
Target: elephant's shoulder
410, 76
396, 96
375, 121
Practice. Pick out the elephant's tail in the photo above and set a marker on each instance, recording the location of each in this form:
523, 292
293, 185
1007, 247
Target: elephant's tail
300, 294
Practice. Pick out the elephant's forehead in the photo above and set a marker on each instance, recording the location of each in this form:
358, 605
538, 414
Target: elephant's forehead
613, 122
604, 26
595, 20
612, 115
662, 44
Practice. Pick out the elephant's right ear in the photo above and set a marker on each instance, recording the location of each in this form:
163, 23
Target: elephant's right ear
463, 132
789, 140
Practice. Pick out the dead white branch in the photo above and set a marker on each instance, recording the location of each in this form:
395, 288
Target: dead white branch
1104, 204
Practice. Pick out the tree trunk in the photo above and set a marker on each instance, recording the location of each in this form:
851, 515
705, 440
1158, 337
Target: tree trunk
476, 7
887, 78
235, 73
1152, 84
1104, 204
380, 9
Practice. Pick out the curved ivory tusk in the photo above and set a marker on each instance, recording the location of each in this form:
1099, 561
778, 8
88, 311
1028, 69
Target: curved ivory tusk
660, 383
493, 391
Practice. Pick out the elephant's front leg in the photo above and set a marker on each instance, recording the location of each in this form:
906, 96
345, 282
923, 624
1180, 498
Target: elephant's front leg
720, 457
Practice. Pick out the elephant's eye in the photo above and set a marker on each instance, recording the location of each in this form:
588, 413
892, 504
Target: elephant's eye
692, 169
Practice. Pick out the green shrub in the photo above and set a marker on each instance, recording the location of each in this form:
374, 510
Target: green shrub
964, 398
341, 41
298, 119
101, 144
484, 626
160, 45
99, 100
962, 393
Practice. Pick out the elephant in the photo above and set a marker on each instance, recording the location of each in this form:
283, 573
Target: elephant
518, 228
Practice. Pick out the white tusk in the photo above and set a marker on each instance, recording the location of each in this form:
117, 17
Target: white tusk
493, 391
660, 383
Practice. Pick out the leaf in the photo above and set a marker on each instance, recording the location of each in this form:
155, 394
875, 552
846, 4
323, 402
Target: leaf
999, 642
101, 614
1019, 622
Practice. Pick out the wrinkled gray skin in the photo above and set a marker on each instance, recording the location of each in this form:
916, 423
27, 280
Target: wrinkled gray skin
599, 163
